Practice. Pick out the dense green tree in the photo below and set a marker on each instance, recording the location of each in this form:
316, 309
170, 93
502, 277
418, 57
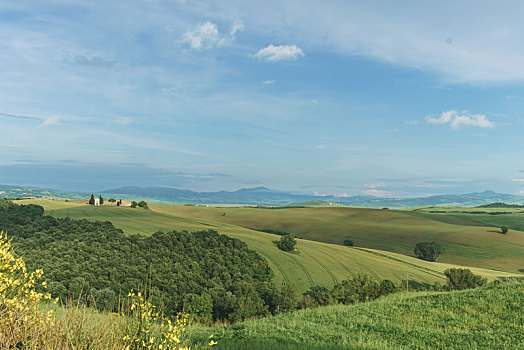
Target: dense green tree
429, 251
287, 243
142, 204
458, 278
92, 200
101, 199
348, 242
504, 229
217, 276
134, 204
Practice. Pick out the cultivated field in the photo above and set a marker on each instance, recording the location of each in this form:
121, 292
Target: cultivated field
317, 263
466, 240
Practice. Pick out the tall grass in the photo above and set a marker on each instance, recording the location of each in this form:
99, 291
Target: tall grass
484, 318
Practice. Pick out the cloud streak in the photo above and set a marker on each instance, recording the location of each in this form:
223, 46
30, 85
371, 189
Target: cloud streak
272, 53
51, 121
207, 36
456, 120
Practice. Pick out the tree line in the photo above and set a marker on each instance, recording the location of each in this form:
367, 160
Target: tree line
210, 275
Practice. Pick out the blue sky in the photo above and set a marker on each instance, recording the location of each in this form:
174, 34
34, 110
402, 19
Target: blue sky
333, 97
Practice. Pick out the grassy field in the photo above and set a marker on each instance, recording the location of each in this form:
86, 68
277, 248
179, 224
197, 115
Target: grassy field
317, 263
466, 240
486, 318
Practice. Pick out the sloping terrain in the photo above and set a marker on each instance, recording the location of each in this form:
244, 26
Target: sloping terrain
485, 318
465, 239
317, 263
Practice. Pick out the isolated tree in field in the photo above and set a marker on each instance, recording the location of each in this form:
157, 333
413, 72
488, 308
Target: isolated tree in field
287, 243
142, 204
101, 199
504, 229
348, 242
429, 251
463, 279
92, 200
111, 200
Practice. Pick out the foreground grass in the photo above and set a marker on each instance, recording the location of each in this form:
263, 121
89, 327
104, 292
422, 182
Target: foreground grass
490, 317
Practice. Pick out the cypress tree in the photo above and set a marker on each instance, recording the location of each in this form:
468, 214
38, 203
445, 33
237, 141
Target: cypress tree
92, 200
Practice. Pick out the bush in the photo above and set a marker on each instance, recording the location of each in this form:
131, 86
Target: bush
463, 279
387, 287
134, 204
429, 251
143, 204
348, 242
287, 243
504, 229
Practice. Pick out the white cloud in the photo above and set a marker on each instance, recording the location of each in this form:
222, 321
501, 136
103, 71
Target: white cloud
320, 147
51, 121
456, 120
411, 122
377, 193
236, 27
380, 184
269, 82
274, 53
207, 36
518, 180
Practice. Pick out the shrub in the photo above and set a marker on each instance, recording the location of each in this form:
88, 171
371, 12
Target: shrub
463, 279
287, 243
22, 323
429, 251
387, 287
504, 229
142, 204
134, 204
348, 242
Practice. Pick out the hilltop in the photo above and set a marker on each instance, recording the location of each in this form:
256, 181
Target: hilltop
263, 196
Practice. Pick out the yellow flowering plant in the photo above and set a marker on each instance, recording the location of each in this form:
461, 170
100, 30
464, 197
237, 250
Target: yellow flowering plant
22, 322
146, 328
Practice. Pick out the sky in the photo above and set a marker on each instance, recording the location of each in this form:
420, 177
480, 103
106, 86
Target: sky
383, 98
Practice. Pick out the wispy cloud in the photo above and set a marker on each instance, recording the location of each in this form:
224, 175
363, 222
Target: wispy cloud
456, 120
269, 82
51, 121
94, 61
274, 53
411, 122
377, 193
207, 36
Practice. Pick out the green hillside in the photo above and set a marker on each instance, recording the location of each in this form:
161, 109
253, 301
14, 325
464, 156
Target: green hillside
486, 318
466, 240
316, 263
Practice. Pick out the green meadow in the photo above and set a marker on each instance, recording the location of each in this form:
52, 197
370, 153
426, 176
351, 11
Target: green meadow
316, 263
484, 318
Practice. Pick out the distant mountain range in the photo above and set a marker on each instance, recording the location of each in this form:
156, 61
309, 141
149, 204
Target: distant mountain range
265, 196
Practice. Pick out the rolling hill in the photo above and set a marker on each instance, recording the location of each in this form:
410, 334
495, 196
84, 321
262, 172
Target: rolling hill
262, 196
318, 263
484, 318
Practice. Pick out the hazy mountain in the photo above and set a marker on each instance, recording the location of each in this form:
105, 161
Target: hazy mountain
263, 196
